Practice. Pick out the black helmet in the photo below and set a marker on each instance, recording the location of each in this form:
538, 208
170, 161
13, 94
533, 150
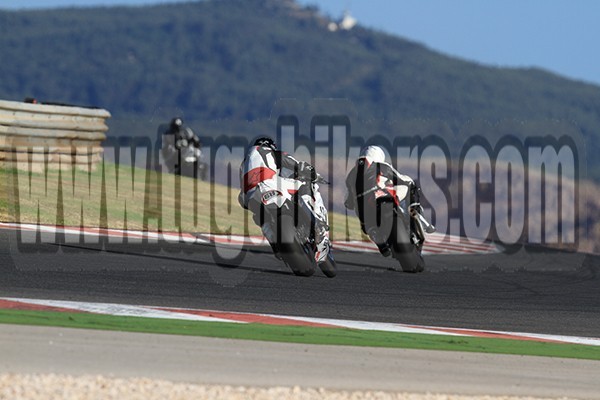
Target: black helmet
265, 141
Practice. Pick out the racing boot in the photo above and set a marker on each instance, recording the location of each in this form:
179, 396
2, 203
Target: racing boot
427, 226
382, 245
417, 210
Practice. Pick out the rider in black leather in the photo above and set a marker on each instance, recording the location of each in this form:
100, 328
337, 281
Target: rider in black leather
371, 193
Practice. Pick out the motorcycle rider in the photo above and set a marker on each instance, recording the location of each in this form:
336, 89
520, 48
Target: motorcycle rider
373, 186
265, 162
180, 142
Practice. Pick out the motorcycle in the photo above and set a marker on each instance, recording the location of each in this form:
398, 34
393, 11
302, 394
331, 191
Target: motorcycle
295, 222
182, 153
402, 225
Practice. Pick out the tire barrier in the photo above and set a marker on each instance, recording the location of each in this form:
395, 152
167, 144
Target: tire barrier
43, 136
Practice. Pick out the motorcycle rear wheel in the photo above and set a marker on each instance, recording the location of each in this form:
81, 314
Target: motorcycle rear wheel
294, 254
405, 251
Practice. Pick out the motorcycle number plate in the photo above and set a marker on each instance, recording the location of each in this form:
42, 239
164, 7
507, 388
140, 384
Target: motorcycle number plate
270, 195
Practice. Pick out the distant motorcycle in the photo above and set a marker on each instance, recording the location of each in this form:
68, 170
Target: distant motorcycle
298, 237
181, 150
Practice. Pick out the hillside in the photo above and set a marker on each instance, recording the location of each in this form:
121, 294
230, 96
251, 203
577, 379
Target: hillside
232, 59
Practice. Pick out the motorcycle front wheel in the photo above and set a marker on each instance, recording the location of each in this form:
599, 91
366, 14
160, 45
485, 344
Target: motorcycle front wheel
328, 266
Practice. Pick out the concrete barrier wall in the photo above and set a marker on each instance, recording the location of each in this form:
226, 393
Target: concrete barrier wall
39, 135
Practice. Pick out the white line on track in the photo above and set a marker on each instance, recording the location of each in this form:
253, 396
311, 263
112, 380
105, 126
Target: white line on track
238, 317
437, 243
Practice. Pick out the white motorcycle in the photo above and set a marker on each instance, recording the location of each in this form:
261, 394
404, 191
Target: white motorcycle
296, 224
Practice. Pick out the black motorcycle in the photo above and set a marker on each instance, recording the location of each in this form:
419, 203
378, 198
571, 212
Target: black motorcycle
182, 151
401, 226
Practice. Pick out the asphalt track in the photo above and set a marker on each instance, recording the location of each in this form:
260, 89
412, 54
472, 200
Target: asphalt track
522, 289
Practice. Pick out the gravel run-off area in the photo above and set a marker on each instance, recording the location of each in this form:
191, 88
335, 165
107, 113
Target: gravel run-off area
54, 387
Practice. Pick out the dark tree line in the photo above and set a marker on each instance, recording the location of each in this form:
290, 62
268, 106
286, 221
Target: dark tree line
232, 59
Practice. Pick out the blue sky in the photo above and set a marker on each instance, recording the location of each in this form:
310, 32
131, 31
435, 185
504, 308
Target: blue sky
557, 35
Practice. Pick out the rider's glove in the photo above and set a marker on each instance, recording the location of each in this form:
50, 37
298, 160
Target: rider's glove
305, 170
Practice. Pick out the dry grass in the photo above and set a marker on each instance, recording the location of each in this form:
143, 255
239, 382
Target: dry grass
139, 199
131, 198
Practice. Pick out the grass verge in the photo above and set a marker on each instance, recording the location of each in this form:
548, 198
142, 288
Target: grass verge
122, 197
297, 334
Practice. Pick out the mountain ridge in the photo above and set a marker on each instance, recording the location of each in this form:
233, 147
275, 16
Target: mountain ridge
232, 59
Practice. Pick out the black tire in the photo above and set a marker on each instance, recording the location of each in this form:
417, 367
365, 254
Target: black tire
328, 267
405, 251
293, 253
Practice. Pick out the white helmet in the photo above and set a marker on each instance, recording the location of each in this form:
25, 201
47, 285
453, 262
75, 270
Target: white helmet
373, 154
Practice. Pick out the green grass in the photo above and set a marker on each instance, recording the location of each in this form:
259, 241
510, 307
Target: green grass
296, 334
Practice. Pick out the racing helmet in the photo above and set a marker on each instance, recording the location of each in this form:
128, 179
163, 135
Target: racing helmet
176, 123
373, 154
265, 141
